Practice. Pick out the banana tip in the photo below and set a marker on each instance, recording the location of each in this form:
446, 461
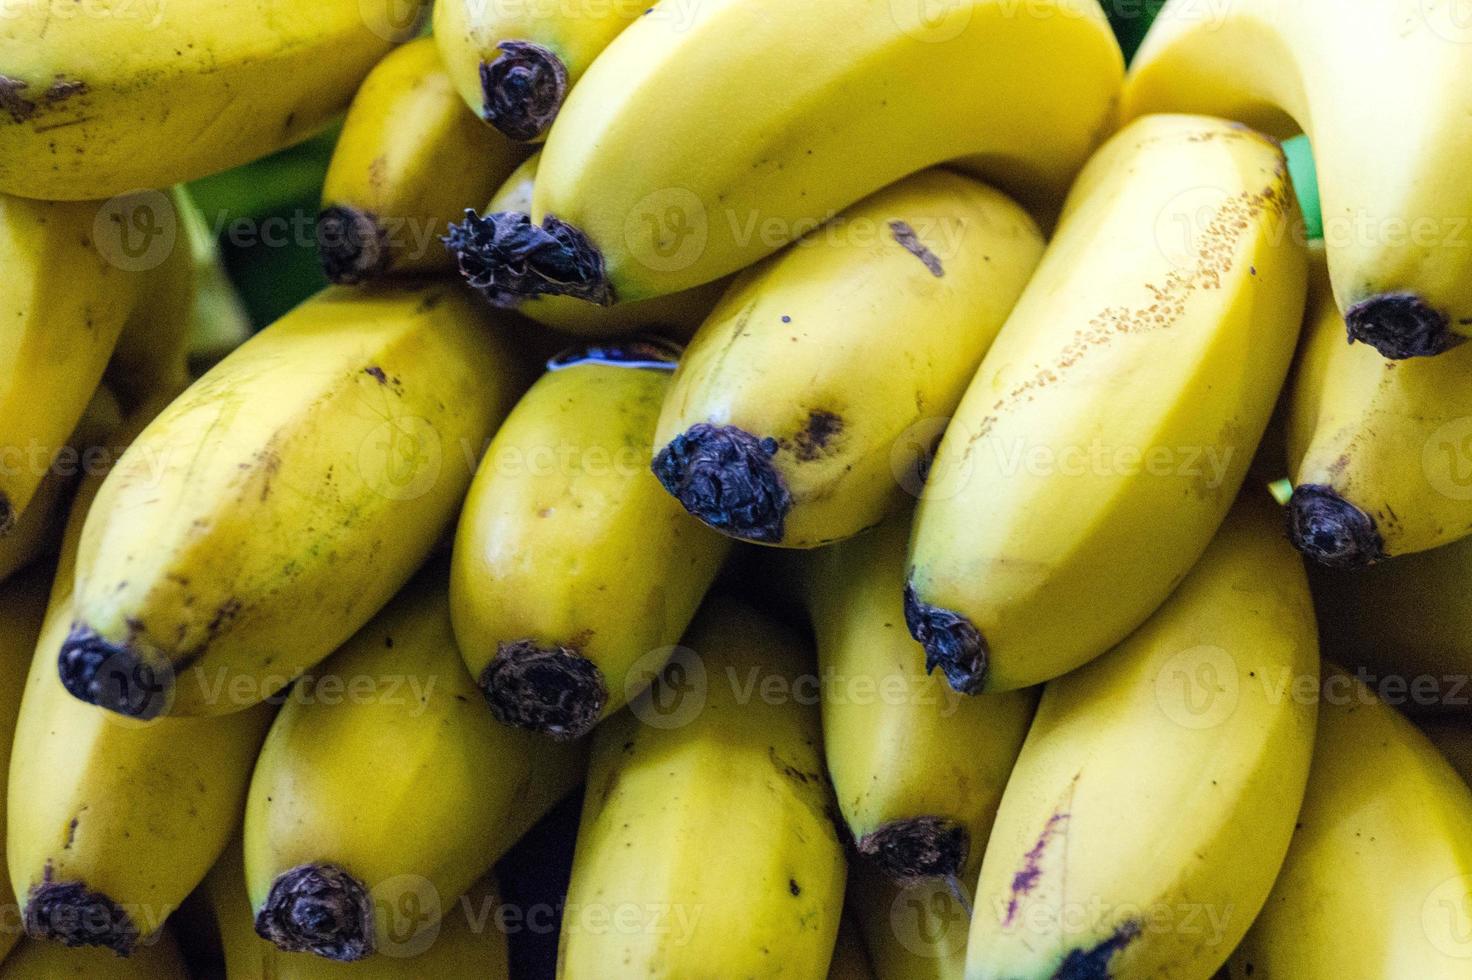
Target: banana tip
951, 643
319, 909
69, 913
918, 849
112, 675
352, 245
725, 476
1400, 326
1331, 530
509, 259
554, 691
523, 89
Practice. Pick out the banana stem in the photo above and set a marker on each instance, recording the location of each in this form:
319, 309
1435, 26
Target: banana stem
551, 690
114, 676
915, 850
1331, 530
724, 476
951, 643
353, 246
509, 259
524, 89
321, 909
66, 911
1400, 325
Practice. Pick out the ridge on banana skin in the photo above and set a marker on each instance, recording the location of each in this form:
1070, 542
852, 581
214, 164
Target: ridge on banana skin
324, 459
131, 95
1102, 866
569, 575
1384, 90
1378, 448
407, 791
1378, 878
715, 816
411, 158
639, 195
762, 436
917, 768
514, 64
1116, 414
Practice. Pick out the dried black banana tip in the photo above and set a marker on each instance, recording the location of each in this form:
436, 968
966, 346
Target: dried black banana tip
1400, 325
112, 675
320, 909
1331, 530
509, 259
66, 912
950, 641
921, 849
352, 245
524, 89
551, 690
725, 476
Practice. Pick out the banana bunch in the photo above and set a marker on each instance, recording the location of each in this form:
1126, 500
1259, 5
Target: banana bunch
1379, 874
326, 457
1153, 802
707, 136
559, 638
791, 416
385, 789
706, 832
1112, 422
130, 94
1384, 91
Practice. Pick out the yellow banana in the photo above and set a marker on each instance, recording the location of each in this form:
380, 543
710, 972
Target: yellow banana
913, 932
850, 960
1153, 802
410, 160
1380, 450
708, 136
111, 822
1378, 880
677, 314
385, 789
572, 566
790, 412
707, 847
917, 768
1356, 76
325, 457
515, 61
220, 322
129, 94
1115, 416
160, 960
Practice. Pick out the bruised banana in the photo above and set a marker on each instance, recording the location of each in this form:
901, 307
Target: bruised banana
1378, 880
707, 821
111, 822
325, 457
917, 768
515, 62
411, 158
33, 960
105, 101
1358, 76
385, 785
1116, 415
677, 314
1381, 451
697, 145
762, 436
1154, 799
572, 566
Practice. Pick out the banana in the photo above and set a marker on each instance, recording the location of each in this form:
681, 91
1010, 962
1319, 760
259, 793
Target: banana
913, 932
385, 786
917, 768
1379, 875
1354, 75
788, 418
707, 136
1379, 449
677, 314
1154, 799
34, 960
409, 161
111, 823
572, 565
850, 960
130, 94
707, 847
64, 305
219, 322
1115, 416
325, 457
515, 61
